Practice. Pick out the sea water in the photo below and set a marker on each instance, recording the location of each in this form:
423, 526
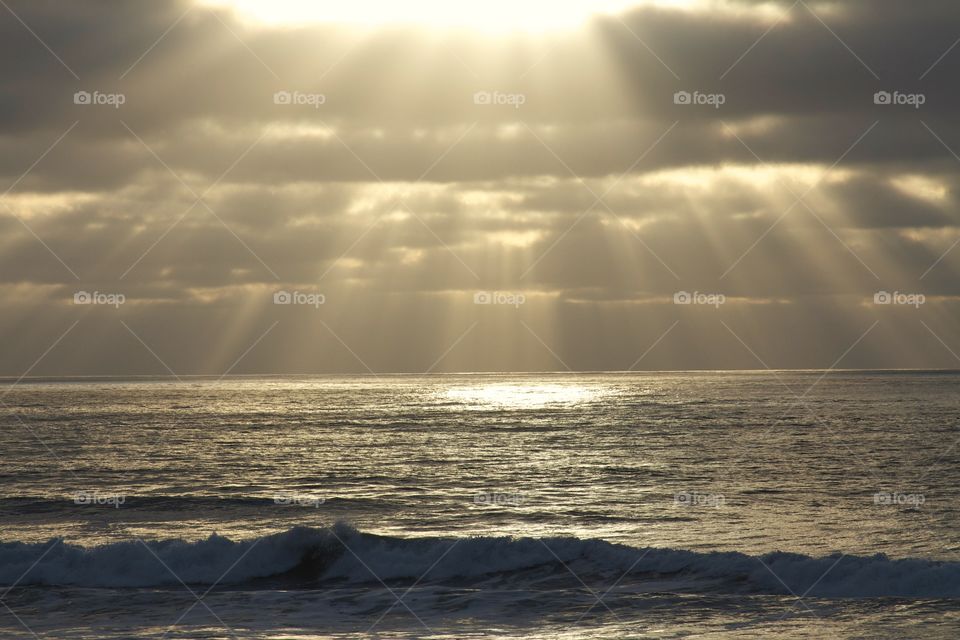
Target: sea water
660, 505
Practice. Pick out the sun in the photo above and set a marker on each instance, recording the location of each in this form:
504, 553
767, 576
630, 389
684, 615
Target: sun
489, 15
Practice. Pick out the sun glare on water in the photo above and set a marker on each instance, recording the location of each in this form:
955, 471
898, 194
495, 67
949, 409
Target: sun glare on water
520, 396
490, 15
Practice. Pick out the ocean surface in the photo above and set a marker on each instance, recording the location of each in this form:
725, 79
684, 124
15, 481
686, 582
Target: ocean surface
661, 505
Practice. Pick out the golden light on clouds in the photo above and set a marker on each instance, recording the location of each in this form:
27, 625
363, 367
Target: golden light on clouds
920, 186
491, 15
400, 158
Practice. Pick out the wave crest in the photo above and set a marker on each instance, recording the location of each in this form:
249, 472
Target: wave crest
341, 554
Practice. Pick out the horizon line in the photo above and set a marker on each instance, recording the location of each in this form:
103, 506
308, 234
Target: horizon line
6, 379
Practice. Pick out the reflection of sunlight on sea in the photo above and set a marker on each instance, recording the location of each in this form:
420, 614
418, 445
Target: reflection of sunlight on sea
521, 396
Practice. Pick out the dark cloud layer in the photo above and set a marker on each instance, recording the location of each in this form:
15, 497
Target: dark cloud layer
400, 196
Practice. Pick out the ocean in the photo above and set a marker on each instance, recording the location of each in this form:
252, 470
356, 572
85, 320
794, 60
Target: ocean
642, 505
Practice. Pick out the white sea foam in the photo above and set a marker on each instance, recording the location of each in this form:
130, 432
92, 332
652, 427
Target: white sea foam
344, 555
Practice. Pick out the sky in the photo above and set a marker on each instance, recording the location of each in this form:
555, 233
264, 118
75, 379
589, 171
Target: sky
243, 186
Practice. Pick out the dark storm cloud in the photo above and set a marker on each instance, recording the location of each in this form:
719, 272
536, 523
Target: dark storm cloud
399, 196
401, 79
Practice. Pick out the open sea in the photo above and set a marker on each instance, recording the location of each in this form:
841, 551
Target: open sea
661, 505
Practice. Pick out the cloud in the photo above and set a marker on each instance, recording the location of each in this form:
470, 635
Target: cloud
395, 191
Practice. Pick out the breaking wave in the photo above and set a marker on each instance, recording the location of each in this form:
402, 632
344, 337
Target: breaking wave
306, 557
